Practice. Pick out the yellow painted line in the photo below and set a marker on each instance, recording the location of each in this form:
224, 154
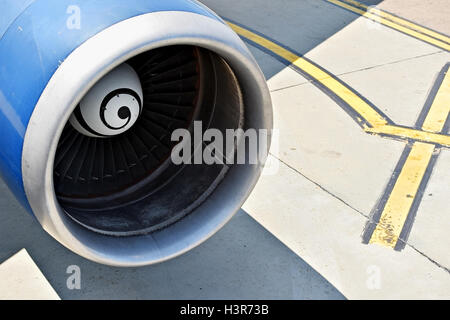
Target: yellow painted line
393, 25
359, 105
398, 206
414, 134
400, 21
402, 196
433, 124
364, 110
440, 108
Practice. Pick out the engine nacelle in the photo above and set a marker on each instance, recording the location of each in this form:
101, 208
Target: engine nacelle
87, 111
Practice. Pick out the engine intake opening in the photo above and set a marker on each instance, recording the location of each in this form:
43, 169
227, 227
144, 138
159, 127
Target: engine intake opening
126, 184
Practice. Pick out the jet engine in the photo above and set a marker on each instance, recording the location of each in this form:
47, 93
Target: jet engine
91, 93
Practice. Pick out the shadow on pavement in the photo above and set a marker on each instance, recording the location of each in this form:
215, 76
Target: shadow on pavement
299, 24
242, 261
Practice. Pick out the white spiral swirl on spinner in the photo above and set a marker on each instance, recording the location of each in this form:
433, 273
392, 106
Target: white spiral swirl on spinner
112, 106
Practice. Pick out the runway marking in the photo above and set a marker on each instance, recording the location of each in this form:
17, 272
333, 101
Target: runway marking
400, 199
400, 21
365, 111
414, 134
369, 117
393, 217
407, 27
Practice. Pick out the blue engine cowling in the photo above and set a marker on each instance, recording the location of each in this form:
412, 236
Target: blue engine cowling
53, 52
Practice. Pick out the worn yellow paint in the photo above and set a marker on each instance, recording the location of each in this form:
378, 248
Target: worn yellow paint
413, 134
400, 21
359, 105
343, 92
393, 25
398, 206
440, 107
378, 123
402, 196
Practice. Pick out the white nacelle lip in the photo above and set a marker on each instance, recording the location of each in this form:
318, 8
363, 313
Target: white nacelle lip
90, 62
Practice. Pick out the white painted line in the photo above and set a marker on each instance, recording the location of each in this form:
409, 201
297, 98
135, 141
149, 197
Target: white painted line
21, 279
